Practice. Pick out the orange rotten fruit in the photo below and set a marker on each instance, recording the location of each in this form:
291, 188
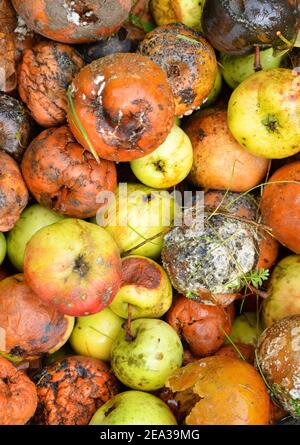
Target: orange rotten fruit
13, 192
70, 21
65, 177
72, 389
18, 396
121, 106
203, 327
188, 60
220, 162
221, 391
44, 74
280, 206
29, 327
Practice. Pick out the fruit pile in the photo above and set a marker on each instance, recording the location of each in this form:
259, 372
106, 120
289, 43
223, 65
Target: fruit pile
149, 212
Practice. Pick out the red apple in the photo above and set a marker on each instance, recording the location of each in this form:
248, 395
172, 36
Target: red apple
75, 265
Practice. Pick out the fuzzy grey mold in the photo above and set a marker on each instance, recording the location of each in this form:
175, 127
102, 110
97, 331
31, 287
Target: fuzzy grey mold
212, 258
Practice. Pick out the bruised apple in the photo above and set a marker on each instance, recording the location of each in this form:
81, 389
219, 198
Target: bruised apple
145, 291
74, 265
29, 326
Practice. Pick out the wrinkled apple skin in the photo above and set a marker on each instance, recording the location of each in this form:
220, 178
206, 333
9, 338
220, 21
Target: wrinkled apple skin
145, 286
134, 408
264, 114
169, 164
31, 220
235, 69
283, 292
75, 265
146, 362
139, 212
93, 335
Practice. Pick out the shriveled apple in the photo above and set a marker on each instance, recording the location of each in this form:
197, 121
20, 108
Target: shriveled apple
29, 327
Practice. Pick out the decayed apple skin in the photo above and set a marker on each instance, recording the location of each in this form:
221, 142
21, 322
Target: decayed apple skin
278, 355
145, 287
146, 362
188, 60
203, 327
134, 408
210, 387
283, 291
29, 326
74, 265
280, 205
73, 22
264, 114
235, 26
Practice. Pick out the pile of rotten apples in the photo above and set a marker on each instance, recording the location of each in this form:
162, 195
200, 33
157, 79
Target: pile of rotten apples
149, 187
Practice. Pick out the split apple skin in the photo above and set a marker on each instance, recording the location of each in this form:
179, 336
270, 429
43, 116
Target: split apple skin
264, 114
74, 265
31, 220
145, 287
134, 408
93, 335
169, 164
149, 358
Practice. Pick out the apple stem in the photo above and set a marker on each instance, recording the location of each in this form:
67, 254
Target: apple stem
257, 64
128, 334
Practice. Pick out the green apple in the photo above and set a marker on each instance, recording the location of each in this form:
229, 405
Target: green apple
134, 408
145, 287
283, 292
93, 335
169, 164
31, 220
137, 214
245, 329
235, 69
146, 359
2, 247
264, 113
214, 94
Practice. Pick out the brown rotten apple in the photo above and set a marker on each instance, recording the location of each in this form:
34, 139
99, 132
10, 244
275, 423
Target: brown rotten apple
70, 21
203, 327
29, 327
18, 396
188, 61
13, 192
121, 106
43, 77
71, 390
74, 265
63, 176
